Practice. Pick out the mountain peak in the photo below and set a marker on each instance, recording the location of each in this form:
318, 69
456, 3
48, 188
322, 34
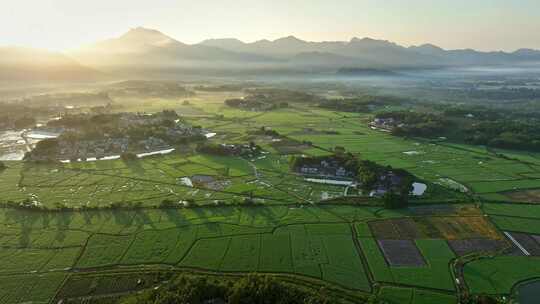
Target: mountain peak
225, 43
365, 39
527, 52
147, 36
372, 43
290, 39
430, 46
427, 48
143, 30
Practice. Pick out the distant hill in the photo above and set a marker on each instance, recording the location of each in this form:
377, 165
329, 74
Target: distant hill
26, 64
368, 52
366, 72
147, 53
143, 48
280, 48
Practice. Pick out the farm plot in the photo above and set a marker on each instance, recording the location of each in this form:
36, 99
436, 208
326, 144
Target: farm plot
468, 246
433, 273
475, 167
437, 276
527, 243
24, 260
243, 254
86, 285
504, 186
207, 254
404, 228
275, 253
151, 182
29, 288
402, 295
151, 247
326, 253
528, 196
396, 295
344, 265
438, 227
401, 253
498, 275
104, 250
288, 146
526, 225
513, 210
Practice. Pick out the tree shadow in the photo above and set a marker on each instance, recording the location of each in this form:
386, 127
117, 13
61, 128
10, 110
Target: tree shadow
175, 216
122, 218
63, 222
26, 220
135, 166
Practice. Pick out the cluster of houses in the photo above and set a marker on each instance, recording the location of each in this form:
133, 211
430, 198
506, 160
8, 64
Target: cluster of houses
178, 130
92, 148
385, 124
73, 144
128, 120
241, 149
102, 148
326, 168
386, 182
334, 170
244, 150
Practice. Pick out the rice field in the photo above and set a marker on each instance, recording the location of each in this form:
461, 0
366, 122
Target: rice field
293, 230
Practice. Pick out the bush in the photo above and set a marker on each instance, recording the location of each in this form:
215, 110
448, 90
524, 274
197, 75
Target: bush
129, 157
251, 289
393, 200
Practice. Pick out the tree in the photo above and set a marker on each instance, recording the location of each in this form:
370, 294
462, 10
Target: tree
250, 289
484, 299
167, 203
2, 166
392, 200
129, 157
368, 174
339, 150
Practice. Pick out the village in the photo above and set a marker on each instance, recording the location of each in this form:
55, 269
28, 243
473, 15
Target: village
85, 137
248, 150
345, 170
385, 124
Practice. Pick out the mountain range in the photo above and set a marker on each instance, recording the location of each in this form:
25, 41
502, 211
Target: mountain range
143, 51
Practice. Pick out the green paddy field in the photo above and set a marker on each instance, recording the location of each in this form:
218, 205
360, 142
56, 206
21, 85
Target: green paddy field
103, 222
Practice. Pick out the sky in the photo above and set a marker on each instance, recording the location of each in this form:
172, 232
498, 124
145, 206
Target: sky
480, 24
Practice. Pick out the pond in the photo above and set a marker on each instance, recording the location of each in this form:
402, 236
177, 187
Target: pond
529, 293
419, 189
